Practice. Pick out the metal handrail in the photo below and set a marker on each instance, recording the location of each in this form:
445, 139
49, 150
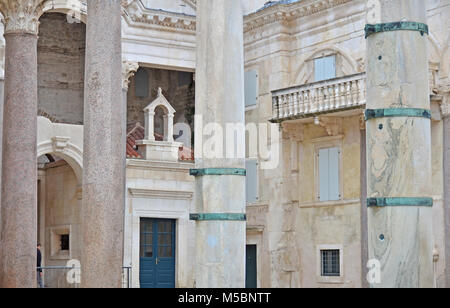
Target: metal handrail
127, 268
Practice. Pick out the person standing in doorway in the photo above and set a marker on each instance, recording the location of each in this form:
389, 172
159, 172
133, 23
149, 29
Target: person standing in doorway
38, 268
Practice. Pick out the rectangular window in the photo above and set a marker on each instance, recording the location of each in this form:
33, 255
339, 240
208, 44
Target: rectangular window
325, 68
329, 183
251, 181
65, 242
251, 88
141, 83
330, 263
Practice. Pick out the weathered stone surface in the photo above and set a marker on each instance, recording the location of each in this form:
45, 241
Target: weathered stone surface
19, 174
104, 148
446, 149
399, 150
220, 257
61, 62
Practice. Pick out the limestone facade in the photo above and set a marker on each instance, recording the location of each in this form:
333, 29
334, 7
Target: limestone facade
288, 223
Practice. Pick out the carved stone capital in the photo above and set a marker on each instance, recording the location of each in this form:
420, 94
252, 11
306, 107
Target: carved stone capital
21, 16
128, 71
293, 131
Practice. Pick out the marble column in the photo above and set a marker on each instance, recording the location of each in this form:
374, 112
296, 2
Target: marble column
104, 149
19, 173
220, 243
446, 147
2, 96
363, 175
399, 150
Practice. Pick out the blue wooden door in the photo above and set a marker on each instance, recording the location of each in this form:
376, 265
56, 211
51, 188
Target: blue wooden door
157, 253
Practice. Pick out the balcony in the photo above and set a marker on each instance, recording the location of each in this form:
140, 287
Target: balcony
317, 98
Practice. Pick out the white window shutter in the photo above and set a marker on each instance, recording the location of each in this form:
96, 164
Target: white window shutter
323, 175
252, 181
325, 68
333, 183
251, 88
329, 182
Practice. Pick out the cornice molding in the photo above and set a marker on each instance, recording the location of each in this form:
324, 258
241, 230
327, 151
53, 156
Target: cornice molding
182, 167
285, 13
21, 16
138, 15
160, 194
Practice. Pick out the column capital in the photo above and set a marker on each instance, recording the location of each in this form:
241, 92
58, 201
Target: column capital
21, 16
128, 70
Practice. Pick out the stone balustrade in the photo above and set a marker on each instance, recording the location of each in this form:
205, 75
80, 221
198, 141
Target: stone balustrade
327, 96
320, 97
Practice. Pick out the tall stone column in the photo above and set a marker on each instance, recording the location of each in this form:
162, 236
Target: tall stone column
399, 145
446, 148
220, 181
104, 149
2, 96
363, 175
128, 70
19, 174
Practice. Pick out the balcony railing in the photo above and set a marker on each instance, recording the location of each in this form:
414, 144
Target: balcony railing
304, 101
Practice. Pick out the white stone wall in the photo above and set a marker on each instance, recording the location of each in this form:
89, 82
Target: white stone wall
287, 223
165, 191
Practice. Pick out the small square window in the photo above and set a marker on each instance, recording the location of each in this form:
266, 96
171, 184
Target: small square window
65, 242
60, 243
330, 263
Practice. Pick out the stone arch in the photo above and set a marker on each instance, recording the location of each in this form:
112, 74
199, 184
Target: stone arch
63, 140
76, 9
348, 66
71, 154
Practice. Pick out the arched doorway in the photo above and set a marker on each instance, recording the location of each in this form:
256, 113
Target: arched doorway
59, 217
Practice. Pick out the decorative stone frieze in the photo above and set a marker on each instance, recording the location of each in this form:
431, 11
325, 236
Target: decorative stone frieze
287, 12
21, 16
282, 13
139, 16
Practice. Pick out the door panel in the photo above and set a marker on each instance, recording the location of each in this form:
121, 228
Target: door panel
251, 279
157, 253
